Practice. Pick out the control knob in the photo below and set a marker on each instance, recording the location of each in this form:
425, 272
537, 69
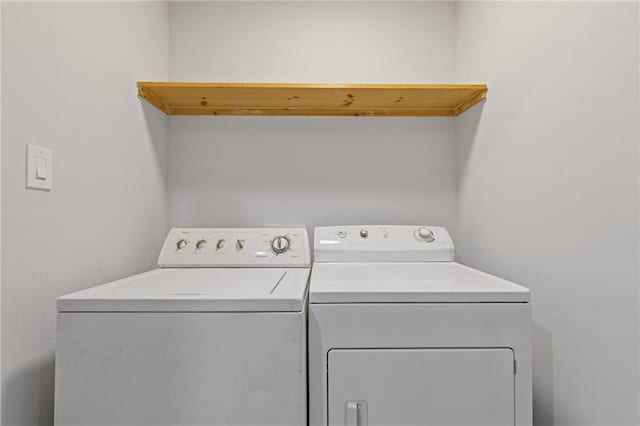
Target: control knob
200, 244
182, 243
280, 244
426, 234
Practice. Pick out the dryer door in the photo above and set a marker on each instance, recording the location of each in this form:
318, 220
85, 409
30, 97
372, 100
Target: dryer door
411, 387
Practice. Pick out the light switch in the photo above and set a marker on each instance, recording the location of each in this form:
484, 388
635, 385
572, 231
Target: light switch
39, 167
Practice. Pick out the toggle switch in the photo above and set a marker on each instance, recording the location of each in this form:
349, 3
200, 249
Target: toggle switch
39, 167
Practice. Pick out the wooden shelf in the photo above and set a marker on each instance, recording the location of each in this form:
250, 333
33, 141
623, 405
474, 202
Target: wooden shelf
312, 99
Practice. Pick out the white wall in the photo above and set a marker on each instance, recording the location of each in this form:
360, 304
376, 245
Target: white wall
0, 212
257, 170
548, 191
546, 173
532, 190
68, 83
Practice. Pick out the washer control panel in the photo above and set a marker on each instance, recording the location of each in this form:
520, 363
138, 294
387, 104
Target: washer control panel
235, 247
382, 243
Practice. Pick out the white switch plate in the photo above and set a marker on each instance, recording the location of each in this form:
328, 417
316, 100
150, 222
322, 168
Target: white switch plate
39, 168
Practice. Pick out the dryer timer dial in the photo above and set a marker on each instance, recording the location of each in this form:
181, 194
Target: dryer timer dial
426, 234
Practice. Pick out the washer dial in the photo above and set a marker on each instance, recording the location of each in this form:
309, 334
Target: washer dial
180, 244
280, 244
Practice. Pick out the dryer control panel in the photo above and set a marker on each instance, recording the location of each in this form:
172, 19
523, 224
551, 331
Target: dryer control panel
382, 243
235, 247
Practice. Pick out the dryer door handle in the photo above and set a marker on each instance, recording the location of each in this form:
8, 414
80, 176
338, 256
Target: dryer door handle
356, 413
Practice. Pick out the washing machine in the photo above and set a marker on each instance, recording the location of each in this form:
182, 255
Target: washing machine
400, 334
215, 336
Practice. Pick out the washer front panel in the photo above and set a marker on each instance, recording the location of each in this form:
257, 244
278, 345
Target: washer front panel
187, 369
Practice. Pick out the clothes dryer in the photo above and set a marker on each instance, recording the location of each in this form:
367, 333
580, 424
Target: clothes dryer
400, 334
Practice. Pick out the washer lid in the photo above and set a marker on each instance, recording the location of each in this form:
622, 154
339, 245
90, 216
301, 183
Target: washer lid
196, 290
446, 282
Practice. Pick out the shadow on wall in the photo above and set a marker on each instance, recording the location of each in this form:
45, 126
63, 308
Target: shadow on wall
18, 387
466, 129
542, 376
157, 126
242, 171
469, 241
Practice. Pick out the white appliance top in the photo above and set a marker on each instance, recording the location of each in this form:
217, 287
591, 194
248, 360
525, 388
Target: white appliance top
196, 290
427, 282
236, 247
378, 243
211, 270
399, 264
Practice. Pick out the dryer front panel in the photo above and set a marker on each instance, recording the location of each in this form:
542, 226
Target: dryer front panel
409, 387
